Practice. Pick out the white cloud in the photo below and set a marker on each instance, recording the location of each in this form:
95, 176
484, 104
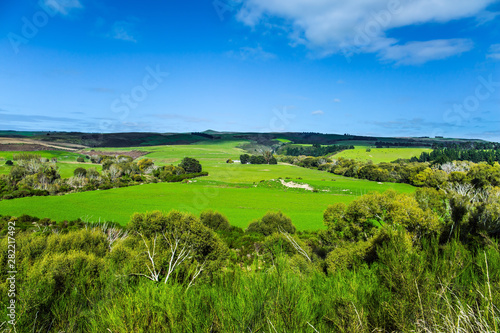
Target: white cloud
123, 30
356, 26
63, 7
416, 53
317, 113
494, 52
336, 100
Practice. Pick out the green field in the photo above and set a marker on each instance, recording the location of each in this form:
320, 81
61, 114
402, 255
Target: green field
378, 155
242, 192
241, 203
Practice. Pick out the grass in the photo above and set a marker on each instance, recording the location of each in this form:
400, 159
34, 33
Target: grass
240, 203
283, 140
62, 156
378, 155
241, 192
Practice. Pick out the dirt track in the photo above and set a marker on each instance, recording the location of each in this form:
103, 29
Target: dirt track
25, 144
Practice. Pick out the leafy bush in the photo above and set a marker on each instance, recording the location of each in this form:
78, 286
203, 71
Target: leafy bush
191, 165
80, 172
270, 223
214, 220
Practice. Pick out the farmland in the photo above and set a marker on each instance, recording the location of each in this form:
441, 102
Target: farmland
241, 192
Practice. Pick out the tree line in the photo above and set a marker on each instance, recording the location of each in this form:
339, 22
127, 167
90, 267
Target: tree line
266, 158
315, 150
444, 155
479, 175
32, 175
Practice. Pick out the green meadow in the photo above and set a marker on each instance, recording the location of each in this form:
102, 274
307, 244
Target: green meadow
241, 192
378, 155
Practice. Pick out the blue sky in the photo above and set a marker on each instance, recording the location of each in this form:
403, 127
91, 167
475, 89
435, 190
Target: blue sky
369, 67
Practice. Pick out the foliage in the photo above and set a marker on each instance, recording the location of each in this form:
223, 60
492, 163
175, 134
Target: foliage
266, 158
35, 176
360, 220
80, 172
214, 220
75, 282
191, 165
270, 223
315, 150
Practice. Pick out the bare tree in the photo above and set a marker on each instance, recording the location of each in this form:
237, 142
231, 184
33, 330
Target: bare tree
154, 273
177, 255
295, 244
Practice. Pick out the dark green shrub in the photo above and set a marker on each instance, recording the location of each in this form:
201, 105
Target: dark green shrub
80, 172
191, 165
214, 220
272, 222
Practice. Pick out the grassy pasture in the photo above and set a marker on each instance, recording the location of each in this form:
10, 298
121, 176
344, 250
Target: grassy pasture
241, 192
239, 202
378, 155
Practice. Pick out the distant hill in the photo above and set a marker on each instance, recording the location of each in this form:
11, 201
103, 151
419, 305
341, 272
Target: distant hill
135, 139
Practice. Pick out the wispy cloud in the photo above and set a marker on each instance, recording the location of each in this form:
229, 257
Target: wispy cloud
124, 30
360, 26
251, 53
183, 118
31, 118
416, 53
63, 7
337, 100
494, 52
317, 112
415, 124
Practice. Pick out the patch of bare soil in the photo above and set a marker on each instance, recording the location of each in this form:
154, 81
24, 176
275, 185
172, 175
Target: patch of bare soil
132, 153
295, 185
